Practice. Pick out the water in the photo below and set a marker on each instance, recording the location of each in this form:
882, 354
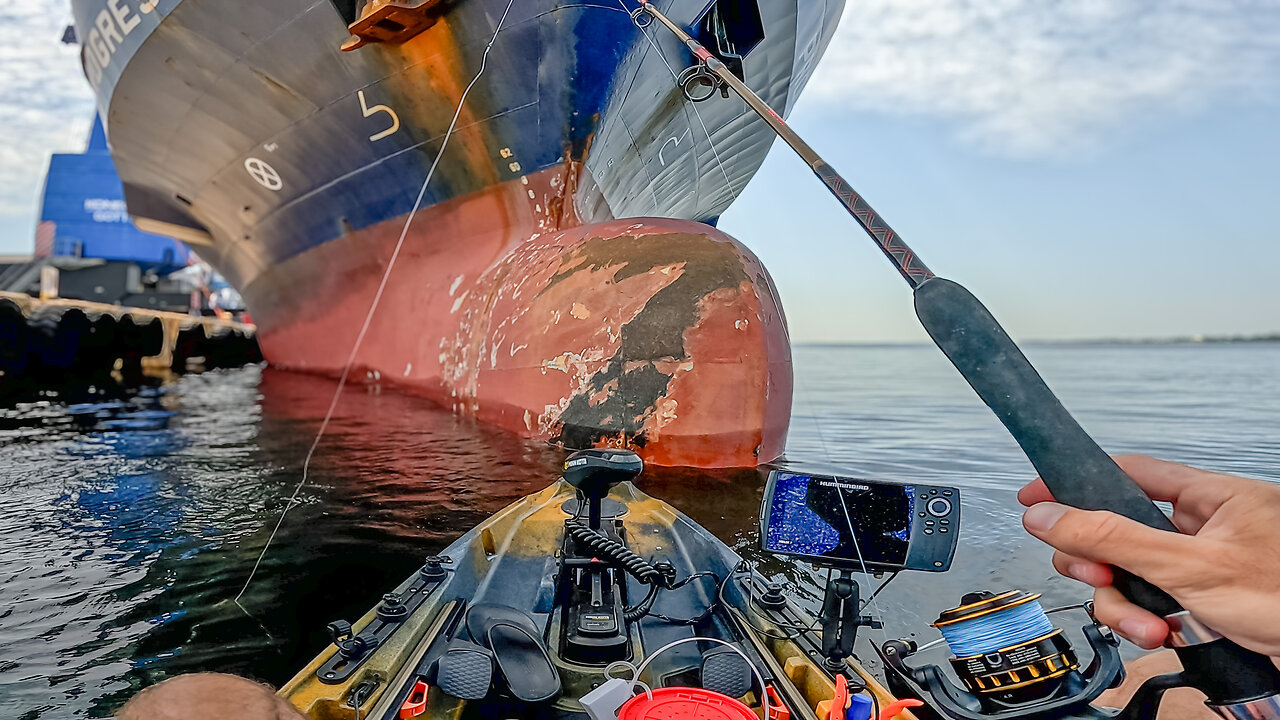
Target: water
127, 527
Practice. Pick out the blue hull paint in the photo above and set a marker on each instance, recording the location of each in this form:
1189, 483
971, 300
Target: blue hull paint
195, 89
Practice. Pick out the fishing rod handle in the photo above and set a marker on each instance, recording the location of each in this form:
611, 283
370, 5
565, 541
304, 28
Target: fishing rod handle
1078, 473
1075, 469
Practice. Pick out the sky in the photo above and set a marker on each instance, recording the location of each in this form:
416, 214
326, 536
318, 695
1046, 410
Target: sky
1088, 168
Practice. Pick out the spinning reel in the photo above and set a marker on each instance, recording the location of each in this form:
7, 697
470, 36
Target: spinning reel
1012, 660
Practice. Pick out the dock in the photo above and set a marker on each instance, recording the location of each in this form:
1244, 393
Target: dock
47, 341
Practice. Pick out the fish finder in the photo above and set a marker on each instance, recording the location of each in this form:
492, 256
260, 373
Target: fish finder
859, 524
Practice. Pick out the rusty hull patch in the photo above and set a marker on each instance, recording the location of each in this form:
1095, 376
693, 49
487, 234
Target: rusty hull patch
618, 403
658, 334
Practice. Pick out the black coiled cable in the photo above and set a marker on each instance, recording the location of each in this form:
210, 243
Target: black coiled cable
636, 566
660, 576
642, 608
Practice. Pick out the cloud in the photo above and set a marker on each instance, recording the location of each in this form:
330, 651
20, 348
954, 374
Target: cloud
1029, 78
1022, 78
45, 103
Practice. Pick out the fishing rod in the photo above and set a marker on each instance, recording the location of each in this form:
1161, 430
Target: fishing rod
1077, 471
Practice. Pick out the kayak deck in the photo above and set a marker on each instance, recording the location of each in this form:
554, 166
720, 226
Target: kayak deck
513, 559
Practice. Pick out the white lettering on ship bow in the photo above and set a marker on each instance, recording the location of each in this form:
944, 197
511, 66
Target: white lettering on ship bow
107, 32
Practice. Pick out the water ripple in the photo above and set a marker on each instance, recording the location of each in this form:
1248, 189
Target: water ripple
130, 522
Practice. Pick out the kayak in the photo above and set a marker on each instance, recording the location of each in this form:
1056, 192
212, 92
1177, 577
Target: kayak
534, 613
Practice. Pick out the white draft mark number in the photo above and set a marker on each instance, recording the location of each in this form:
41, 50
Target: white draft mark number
371, 111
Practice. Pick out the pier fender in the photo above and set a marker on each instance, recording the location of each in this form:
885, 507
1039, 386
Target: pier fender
661, 335
138, 336
14, 339
57, 334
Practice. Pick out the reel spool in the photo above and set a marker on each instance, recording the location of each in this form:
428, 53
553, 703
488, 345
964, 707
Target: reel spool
1005, 649
1013, 662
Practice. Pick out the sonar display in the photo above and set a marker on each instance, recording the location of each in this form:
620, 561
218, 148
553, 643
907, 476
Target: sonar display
806, 517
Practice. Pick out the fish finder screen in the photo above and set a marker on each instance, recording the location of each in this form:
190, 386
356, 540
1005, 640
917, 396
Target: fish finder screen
822, 517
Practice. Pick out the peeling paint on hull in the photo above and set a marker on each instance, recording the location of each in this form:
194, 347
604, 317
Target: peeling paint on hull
241, 126
658, 334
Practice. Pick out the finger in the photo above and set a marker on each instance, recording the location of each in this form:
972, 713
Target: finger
1196, 494
1159, 479
1034, 492
1138, 626
1086, 571
1182, 484
1106, 537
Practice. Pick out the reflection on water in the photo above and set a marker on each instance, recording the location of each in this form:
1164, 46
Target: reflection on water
129, 524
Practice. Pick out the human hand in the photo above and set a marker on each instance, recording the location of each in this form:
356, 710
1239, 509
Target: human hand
1224, 568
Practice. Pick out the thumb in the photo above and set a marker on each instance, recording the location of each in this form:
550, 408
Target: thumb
1109, 538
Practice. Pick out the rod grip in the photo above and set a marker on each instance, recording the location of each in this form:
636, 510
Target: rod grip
1075, 469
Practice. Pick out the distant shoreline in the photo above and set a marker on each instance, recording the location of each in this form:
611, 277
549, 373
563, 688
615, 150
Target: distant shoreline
1190, 340
1187, 340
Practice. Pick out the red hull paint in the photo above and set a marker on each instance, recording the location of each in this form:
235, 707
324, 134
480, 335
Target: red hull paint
662, 335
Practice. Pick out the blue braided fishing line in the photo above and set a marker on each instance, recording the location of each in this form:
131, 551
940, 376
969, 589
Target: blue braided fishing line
989, 633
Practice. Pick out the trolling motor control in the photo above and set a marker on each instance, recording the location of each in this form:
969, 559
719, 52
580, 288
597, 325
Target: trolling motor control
594, 471
594, 620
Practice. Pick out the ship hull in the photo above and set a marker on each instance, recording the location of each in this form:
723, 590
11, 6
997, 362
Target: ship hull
559, 274
653, 333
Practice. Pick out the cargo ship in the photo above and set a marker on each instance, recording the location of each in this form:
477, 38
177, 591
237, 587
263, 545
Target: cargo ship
559, 276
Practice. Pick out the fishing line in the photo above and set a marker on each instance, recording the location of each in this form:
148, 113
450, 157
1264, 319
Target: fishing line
733, 195
880, 587
993, 631
817, 425
644, 30
871, 599
377, 298
853, 534
813, 414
